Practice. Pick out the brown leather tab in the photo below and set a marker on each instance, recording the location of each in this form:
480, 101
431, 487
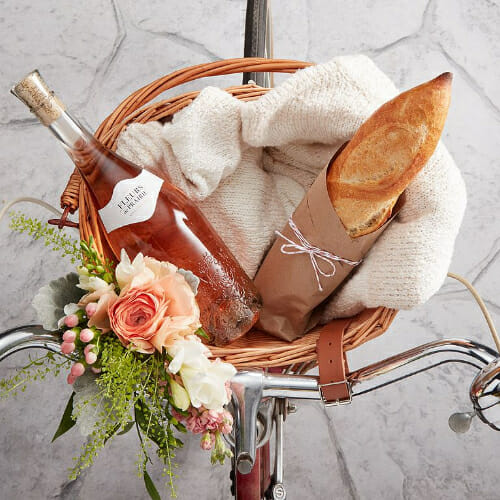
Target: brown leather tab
333, 384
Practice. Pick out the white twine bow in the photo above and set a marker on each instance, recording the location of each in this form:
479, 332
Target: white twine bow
315, 253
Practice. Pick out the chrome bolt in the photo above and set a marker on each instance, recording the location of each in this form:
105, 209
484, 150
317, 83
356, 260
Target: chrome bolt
291, 408
244, 463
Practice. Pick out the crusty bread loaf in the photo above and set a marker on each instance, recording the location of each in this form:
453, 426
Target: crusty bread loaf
386, 153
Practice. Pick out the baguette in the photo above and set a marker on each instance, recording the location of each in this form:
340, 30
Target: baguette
386, 153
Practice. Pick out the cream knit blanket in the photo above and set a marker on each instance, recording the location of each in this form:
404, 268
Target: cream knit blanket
248, 165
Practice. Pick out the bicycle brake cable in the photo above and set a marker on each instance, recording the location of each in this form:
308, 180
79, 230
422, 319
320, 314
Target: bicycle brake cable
481, 304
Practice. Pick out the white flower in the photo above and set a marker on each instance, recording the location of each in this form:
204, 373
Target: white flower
70, 308
91, 283
204, 380
126, 271
188, 352
142, 270
179, 395
160, 269
207, 387
82, 271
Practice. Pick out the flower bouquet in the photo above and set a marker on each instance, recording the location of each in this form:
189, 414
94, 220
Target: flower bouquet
132, 343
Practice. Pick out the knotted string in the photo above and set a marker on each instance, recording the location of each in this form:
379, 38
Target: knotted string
315, 253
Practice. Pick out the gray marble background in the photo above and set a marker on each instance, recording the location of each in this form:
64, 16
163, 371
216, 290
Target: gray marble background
389, 445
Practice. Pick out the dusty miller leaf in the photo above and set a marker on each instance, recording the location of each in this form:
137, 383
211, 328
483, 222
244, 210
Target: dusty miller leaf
88, 403
50, 300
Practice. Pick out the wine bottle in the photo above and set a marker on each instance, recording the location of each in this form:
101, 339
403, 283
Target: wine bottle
143, 212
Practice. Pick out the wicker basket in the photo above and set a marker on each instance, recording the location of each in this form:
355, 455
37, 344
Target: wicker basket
256, 349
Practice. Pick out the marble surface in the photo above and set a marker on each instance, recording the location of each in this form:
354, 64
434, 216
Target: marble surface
388, 445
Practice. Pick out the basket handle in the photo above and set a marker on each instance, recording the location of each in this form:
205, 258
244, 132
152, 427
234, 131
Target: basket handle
217, 68
70, 196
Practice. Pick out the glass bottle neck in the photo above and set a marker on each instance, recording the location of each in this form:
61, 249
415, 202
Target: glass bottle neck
71, 134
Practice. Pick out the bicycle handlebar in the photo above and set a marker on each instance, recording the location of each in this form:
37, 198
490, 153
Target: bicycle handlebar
28, 337
251, 386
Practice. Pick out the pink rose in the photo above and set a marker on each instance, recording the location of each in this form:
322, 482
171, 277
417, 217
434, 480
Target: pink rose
155, 308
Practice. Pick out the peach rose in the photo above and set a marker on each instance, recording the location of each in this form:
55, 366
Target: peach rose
100, 318
156, 306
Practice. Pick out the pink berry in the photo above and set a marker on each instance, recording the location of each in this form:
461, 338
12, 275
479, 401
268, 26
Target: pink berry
67, 347
69, 336
77, 370
95, 370
86, 335
71, 379
88, 348
71, 320
90, 309
91, 358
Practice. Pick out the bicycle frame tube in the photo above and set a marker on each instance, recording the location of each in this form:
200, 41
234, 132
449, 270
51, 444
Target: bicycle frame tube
258, 39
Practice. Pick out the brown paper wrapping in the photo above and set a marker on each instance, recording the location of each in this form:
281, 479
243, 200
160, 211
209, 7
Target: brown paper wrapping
288, 283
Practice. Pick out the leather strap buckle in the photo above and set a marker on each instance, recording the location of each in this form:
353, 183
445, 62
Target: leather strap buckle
343, 400
333, 385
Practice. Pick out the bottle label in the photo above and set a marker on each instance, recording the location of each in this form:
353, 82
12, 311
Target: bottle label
133, 200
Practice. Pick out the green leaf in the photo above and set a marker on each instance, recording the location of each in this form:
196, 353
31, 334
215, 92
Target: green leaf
149, 424
158, 433
150, 486
178, 425
126, 428
112, 433
175, 442
140, 418
67, 421
202, 333
184, 413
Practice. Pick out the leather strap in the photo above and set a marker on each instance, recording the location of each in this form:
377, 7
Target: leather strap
333, 385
